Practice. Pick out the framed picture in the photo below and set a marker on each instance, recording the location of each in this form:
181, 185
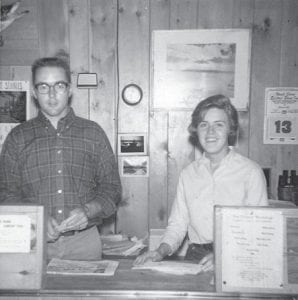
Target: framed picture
134, 166
132, 144
191, 65
14, 105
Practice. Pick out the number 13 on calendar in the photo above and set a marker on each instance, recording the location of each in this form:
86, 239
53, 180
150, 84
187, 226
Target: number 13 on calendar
281, 130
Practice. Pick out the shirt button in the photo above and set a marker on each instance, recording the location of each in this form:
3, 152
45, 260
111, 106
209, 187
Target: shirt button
59, 171
59, 191
59, 211
59, 151
58, 134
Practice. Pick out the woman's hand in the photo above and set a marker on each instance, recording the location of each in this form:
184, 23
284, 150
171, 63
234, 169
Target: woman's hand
148, 256
207, 262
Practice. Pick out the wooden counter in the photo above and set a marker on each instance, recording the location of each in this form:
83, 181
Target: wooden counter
131, 284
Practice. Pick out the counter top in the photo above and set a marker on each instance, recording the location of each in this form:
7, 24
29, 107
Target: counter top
132, 284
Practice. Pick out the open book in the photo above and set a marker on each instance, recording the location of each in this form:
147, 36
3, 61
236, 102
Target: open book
79, 267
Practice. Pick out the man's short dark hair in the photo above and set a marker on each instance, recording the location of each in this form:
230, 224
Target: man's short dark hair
54, 61
216, 101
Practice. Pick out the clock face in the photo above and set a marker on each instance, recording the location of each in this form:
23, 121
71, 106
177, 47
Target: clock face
132, 94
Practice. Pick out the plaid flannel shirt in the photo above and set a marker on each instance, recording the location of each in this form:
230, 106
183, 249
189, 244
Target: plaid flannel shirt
61, 169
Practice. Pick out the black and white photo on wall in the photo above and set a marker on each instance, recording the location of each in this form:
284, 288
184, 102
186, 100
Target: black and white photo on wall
132, 144
134, 166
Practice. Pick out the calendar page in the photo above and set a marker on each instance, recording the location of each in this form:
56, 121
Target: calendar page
281, 116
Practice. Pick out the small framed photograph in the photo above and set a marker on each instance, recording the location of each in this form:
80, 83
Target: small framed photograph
134, 166
132, 144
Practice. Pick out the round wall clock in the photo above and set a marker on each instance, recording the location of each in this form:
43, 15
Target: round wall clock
132, 94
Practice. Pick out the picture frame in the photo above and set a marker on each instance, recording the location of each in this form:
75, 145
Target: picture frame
191, 65
132, 144
14, 105
137, 166
22, 247
244, 239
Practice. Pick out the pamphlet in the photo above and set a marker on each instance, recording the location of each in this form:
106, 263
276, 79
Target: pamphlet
79, 267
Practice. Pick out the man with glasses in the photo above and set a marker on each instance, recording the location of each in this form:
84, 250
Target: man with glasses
63, 162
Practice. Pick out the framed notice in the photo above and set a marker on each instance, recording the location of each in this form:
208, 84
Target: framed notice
281, 116
191, 65
21, 246
256, 249
14, 105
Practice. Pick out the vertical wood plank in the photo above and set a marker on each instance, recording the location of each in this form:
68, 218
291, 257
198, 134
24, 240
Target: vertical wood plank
134, 62
134, 68
103, 23
53, 26
158, 133
158, 189
215, 14
183, 14
243, 13
181, 152
265, 73
103, 61
159, 15
78, 15
288, 154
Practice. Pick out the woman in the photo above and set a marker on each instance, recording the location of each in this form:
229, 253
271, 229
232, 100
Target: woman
220, 177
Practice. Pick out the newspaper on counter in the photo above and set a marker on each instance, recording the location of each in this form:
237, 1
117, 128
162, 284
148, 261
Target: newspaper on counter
79, 267
171, 267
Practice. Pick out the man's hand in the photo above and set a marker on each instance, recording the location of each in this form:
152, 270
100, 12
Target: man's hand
207, 262
53, 232
148, 256
77, 220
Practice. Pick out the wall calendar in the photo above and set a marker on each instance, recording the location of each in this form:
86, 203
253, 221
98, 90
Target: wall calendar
281, 116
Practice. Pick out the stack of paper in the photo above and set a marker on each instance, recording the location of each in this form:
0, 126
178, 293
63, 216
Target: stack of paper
171, 267
121, 245
79, 267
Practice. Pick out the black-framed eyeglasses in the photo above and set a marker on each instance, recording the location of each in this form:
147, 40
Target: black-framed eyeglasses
60, 87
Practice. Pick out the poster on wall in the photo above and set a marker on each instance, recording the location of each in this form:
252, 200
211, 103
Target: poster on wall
14, 105
281, 116
190, 65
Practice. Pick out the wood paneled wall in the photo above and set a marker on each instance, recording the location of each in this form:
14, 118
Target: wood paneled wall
113, 39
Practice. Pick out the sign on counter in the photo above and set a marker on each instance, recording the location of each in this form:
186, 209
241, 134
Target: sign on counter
15, 233
256, 249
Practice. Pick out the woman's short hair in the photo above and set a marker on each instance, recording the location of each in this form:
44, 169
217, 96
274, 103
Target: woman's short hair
216, 101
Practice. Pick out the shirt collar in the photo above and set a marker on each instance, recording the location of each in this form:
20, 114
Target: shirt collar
206, 161
67, 120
